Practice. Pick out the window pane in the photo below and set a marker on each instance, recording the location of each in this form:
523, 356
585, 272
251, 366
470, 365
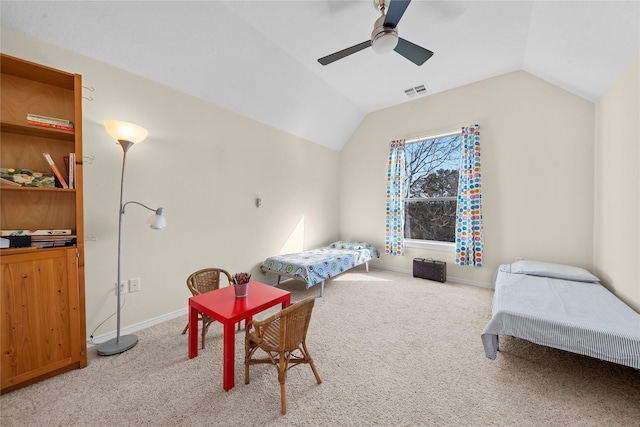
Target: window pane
432, 172
432, 167
430, 220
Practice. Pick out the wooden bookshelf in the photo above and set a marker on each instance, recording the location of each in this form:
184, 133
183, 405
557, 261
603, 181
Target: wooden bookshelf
43, 295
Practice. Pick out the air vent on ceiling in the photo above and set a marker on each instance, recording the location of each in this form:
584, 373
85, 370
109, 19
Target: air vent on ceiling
416, 91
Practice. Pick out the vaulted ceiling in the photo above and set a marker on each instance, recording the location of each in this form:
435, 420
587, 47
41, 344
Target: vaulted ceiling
259, 58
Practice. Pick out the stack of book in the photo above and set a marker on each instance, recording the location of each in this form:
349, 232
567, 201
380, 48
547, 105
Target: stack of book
44, 238
50, 122
53, 241
44, 232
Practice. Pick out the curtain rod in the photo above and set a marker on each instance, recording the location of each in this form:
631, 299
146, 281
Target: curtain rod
439, 135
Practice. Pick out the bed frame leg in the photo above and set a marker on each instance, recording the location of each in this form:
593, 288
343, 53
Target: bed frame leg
366, 264
321, 289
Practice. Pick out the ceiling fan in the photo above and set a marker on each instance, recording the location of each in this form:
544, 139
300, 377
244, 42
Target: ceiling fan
384, 37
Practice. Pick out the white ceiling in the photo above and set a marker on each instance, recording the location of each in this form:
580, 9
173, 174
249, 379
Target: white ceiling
259, 58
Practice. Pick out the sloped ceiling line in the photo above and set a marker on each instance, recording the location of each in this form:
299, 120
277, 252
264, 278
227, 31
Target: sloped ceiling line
259, 58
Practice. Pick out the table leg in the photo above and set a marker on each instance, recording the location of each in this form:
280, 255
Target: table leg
228, 356
193, 332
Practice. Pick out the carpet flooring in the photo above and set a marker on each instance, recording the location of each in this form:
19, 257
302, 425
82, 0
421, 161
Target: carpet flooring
391, 349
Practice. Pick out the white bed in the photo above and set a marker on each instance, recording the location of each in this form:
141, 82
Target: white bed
563, 307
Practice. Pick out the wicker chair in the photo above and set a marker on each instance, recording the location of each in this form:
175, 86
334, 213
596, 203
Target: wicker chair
205, 280
280, 336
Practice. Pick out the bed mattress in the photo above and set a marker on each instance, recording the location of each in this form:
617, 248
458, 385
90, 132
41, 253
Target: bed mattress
579, 317
316, 265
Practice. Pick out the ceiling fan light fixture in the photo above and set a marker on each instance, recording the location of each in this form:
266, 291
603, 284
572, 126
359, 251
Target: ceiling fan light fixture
384, 37
385, 42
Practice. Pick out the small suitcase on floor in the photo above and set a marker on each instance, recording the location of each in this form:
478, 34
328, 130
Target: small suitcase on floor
430, 269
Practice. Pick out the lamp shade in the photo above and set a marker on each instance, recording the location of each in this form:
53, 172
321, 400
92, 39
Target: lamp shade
125, 131
157, 221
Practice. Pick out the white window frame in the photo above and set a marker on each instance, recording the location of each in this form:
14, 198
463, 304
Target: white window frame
431, 244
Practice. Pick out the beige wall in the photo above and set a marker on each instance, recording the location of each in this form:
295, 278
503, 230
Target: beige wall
617, 191
537, 171
205, 166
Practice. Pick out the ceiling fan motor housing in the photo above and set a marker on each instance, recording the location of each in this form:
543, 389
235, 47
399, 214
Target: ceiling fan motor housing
379, 4
383, 39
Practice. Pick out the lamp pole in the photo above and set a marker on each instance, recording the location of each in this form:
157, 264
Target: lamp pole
124, 343
127, 134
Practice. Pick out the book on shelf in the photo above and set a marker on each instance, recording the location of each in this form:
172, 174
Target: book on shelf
72, 170
27, 178
55, 170
53, 241
43, 232
70, 164
50, 125
38, 119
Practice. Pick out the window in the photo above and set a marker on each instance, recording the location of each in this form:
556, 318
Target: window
431, 188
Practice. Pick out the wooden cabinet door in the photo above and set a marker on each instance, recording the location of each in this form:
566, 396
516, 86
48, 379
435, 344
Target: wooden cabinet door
40, 315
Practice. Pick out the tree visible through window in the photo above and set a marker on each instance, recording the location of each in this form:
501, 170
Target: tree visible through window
431, 188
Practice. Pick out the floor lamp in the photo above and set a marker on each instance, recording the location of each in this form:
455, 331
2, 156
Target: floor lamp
127, 134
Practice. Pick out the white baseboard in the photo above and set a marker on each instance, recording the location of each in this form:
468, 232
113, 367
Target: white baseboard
136, 327
449, 279
183, 312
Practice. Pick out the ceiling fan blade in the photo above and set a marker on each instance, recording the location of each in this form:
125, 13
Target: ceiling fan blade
395, 12
345, 52
414, 53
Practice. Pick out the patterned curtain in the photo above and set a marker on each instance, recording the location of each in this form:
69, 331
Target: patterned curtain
469, 208
394, 224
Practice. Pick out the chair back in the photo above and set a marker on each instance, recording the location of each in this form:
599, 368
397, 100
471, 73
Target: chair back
205, 280
290, 325
280, 335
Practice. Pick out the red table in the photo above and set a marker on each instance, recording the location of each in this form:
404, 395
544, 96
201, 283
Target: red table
223, 306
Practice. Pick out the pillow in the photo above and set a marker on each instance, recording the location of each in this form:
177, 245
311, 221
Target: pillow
346, 244
547, 269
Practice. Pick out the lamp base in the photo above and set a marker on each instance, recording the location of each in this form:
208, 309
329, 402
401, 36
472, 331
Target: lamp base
111, 347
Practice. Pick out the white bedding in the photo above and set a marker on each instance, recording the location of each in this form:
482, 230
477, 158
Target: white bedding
579, 317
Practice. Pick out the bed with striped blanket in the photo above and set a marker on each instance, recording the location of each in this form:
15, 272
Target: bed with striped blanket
544, 304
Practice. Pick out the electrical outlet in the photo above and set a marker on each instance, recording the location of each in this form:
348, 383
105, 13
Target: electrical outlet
123, 288
134, 285
519, 258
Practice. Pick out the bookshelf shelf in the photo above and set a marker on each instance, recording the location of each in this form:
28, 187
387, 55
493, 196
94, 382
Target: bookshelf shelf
38, 189
32, 130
